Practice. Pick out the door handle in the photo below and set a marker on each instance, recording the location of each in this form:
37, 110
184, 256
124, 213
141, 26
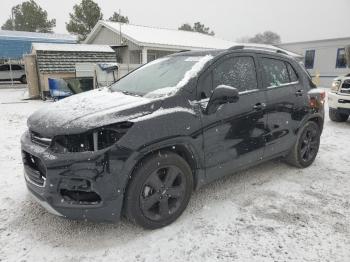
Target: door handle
259, 106
299, 92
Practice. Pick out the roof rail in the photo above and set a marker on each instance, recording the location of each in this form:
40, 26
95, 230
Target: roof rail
265, 48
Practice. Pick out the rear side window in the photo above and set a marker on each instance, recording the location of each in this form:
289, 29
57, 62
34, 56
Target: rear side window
238, 72
4, 68
275, 72
16, 67
293, 76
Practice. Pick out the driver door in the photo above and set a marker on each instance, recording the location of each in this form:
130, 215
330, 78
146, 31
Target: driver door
234, 135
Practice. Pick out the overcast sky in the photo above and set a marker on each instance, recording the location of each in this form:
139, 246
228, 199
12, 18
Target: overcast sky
294, 20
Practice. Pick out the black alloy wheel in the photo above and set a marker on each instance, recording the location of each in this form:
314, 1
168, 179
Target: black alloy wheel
163, 193
304, 151
309, 143
159, 190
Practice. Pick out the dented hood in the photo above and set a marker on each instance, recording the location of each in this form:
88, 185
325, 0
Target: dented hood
79, 113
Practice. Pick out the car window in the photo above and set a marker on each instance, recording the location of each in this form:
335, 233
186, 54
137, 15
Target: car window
4, 68
238, 72
206, 85
292, 75
275, 72
16, 67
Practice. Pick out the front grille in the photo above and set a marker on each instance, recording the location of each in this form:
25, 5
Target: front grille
36, 171
345, 89
40, 140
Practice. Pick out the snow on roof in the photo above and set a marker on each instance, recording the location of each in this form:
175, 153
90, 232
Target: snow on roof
72, 47
161, 37
34, 35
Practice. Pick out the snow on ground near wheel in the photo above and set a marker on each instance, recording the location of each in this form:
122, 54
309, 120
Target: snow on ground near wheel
272, 212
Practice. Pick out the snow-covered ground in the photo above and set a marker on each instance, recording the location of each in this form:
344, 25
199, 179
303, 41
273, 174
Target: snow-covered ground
272, 212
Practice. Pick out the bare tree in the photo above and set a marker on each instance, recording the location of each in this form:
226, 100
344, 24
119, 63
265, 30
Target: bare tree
267, 37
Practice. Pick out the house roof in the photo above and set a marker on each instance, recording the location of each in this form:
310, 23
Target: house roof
318, 41
33, 36
161, 37
72, 47
58, 58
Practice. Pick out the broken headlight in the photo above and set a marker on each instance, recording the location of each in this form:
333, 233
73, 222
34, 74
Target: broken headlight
94, 140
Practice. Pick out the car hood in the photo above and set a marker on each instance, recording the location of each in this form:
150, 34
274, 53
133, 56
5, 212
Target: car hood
82, 112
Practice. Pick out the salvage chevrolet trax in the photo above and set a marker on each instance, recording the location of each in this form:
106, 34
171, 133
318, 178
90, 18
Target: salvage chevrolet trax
141, 146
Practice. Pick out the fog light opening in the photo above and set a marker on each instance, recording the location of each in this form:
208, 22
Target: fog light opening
80, 197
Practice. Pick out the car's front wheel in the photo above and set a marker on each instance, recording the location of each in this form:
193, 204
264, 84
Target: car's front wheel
306, 147
335, 116
159, 190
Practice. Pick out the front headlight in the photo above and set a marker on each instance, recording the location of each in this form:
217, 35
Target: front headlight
335, 86
93, 140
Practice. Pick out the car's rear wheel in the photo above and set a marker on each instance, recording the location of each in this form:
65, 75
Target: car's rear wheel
305, 150
159, 190
335, 116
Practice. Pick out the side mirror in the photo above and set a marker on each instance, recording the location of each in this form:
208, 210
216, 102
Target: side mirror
222, 95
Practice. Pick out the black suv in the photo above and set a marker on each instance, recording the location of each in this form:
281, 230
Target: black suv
139, 147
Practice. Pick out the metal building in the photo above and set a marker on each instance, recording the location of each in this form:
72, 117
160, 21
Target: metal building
324, 59
15, 44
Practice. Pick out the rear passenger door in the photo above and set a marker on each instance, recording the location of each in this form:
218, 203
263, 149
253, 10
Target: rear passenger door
282, 88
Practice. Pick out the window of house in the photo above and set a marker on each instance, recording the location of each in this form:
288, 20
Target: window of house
292, 74
238, 72
341, 58
309, 59
275, 72
151, 56
135, 57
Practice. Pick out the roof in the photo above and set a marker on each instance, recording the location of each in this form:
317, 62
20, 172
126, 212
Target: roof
58, 58
318, 41
72, 48
30, 36
161, 37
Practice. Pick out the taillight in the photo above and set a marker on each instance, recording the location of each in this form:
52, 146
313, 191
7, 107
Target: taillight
313, 102
316, 100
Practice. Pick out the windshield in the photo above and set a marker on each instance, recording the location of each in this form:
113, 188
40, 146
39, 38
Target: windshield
161, 77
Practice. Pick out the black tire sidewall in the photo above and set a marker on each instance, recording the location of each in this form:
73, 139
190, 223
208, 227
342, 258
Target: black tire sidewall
301, 162
140, 175
335, 116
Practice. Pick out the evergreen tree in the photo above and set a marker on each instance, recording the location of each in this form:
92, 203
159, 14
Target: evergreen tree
83, 19
29, 16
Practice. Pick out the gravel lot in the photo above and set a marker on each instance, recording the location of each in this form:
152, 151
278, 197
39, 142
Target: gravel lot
272, 212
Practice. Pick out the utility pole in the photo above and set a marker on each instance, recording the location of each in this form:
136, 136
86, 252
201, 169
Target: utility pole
13, 19
120, 27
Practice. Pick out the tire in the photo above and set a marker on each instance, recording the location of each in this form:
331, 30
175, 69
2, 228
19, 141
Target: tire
23, 79
305, 149
335, 116
159, 190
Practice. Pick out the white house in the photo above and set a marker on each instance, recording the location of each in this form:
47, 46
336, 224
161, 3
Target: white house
324, 59
137, 45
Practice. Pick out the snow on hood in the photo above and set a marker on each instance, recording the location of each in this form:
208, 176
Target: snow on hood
89, 110
193, 72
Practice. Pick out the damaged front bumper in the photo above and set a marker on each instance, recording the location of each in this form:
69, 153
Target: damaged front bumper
82, 186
